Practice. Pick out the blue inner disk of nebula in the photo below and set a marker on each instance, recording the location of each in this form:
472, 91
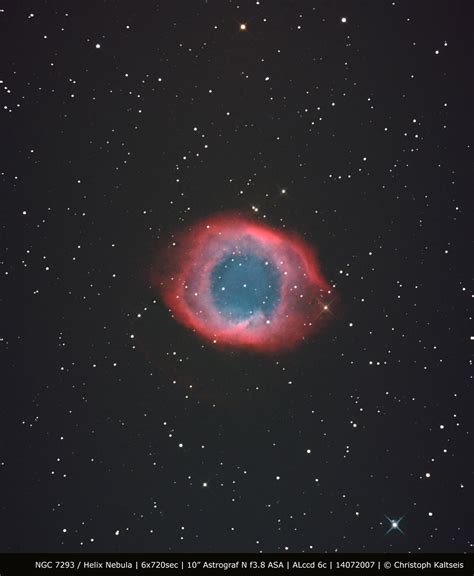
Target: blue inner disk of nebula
243, 285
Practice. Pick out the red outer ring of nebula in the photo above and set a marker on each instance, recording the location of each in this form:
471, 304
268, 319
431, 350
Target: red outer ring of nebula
183, 275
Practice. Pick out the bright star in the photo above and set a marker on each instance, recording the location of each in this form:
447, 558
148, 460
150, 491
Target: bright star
243, 27
395, 524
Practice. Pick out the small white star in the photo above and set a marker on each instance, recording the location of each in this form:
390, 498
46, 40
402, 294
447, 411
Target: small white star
394, 524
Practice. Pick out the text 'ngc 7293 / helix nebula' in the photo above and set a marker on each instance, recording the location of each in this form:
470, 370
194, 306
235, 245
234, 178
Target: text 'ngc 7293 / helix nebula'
237, 282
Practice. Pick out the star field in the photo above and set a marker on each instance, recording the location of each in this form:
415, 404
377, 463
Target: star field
347, 123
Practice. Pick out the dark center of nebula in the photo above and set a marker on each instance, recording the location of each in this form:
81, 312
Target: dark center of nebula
243, 285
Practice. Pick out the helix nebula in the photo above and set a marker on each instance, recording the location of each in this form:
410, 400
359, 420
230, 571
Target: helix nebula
237, 282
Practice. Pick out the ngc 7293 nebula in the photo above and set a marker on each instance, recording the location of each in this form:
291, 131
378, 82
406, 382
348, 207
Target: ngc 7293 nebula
238, 282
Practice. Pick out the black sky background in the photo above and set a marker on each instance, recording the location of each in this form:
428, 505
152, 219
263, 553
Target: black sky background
104, 158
